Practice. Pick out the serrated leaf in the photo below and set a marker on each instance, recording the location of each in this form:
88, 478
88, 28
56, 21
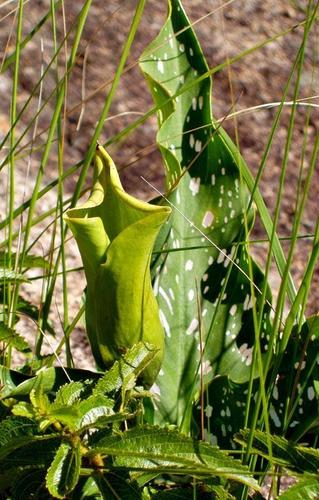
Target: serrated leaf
93, 409
64, 472
66, 415
132, 363
13, 339
16, 384
23, 306
203, 175
39, 398
8, 275
69, 393
18, 437
39, 451
24, 409
70, 407
155, 448
13, 431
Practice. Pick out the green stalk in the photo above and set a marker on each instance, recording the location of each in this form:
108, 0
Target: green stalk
298, 60
302, 296
294, 311
282, 291
13, 113
60, 131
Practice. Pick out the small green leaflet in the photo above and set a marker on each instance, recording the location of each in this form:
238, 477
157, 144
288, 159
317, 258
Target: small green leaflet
11, 338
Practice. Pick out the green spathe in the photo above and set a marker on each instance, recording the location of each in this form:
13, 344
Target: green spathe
115, 233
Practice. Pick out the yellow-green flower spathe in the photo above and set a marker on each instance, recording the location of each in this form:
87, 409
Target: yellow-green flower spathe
115, 234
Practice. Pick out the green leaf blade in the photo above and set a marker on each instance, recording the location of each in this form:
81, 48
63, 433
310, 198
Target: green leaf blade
64, 471
203, 174
152, 448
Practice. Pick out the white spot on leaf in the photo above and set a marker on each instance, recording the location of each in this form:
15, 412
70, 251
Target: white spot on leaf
206, 367
166, 298
208, 411
273, 415
233, 310
155, 390
310, 393
160, 66
164, 323
156, 284
192, 327
208, 219
194, 185
221, 256
189, 265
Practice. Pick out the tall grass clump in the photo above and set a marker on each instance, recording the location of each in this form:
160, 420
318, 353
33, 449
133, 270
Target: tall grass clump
200, 376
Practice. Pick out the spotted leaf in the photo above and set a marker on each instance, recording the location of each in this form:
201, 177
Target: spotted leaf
293, 399
210, 201
295, 394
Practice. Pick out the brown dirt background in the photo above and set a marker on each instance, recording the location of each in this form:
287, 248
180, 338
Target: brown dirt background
256, 79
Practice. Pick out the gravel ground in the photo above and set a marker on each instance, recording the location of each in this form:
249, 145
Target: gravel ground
257, 79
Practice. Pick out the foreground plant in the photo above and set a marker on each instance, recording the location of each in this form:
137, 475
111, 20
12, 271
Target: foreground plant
83, 439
